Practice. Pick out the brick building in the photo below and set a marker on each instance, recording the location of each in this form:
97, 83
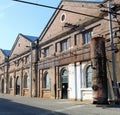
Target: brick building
64, 67
4, 70
19, 71
58, 65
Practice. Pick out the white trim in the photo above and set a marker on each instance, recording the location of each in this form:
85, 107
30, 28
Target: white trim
86, 89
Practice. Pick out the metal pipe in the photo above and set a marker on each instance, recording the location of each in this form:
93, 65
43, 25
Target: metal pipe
30, 85
31, 70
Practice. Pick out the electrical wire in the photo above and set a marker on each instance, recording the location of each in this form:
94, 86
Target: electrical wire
61, 9
110, 12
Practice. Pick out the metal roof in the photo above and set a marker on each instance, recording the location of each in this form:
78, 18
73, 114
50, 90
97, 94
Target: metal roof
31, 38
6, 52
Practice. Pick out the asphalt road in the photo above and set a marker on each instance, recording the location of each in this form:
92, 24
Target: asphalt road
17, 105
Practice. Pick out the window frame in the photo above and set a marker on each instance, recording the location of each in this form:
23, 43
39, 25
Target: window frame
46, 52
86, 77
64, 76
77, 39
87, 35
63, 45
26, 58
46, 81
26, 81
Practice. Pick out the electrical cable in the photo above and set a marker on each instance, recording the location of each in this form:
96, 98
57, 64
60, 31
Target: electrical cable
56, 8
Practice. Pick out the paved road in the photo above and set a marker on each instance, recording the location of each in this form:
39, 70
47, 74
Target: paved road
16, 105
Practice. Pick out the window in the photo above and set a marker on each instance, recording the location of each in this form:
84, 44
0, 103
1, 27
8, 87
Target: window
87, 36
26, 59
89, 77
19, 45
46, 81
56, 47
25, 81
46, 52
77, 39
64, 45
63, 17
64, 76
18, 62
18, 81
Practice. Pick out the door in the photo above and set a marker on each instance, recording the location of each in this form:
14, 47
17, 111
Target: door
64, 84
64, 90
18, 86
2, 85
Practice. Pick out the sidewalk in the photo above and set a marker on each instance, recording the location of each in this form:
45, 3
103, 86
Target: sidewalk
40, 106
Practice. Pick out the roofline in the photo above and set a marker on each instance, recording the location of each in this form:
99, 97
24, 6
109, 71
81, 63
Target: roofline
28, 38
49, 22
54, 15
20, 34
14, 45
4, 52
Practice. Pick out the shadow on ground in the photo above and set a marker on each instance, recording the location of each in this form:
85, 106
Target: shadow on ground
8, 107
109, 106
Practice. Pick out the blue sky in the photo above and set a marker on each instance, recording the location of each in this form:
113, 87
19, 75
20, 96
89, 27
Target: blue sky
18, 18
22, 18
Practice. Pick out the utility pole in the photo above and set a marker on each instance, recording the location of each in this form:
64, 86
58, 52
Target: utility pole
31, 58
31, 69
113, 52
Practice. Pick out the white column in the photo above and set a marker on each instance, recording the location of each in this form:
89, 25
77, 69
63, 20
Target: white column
5, 87
71, 85
78, 81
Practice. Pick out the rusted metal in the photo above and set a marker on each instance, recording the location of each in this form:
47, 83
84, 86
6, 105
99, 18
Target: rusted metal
99, 74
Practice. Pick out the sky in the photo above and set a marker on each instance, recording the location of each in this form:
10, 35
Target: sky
22, 18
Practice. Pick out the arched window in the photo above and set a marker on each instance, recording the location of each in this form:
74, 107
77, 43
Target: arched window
18, 81
64, 76
88, 77
25, 81
46, 81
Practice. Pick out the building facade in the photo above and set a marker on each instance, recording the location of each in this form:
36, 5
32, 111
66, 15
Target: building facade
19, 72
4, 70
64, 68
58, 65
